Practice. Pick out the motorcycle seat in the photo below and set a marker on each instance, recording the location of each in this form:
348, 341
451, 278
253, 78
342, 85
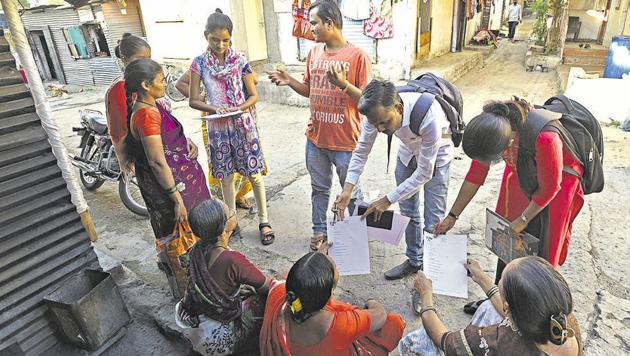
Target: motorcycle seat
96, 121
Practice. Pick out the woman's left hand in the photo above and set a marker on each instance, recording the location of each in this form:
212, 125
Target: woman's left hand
193, 151
423, 285
517, 226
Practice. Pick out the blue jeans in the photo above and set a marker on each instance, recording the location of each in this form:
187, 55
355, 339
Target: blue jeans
435, 192
319, 163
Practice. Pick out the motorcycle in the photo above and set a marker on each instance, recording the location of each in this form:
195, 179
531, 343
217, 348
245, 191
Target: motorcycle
98, 163
172, 76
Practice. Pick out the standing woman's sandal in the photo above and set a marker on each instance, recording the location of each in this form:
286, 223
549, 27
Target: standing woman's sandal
317, 241
268, 237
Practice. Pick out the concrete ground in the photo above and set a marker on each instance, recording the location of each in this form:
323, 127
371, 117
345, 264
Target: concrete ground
596, 267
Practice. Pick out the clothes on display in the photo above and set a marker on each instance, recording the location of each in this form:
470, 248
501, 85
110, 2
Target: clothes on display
301, 24
356, 9
379, 25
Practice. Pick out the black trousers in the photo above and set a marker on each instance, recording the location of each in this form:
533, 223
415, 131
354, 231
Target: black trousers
512, 25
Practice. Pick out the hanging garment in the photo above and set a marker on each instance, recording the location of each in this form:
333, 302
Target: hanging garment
379, 25
301, 24
356, 9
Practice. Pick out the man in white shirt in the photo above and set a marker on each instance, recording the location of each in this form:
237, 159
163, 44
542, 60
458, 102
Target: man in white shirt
423, 159
515, 16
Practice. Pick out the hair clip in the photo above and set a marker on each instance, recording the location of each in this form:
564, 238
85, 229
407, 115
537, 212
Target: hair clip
558, 332
296, 306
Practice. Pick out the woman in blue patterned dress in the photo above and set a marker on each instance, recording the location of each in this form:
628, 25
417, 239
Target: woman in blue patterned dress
234, 145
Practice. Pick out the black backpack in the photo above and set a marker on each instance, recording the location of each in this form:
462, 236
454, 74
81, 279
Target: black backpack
433, 88
581, 135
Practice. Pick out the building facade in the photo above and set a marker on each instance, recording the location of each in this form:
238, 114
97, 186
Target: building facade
75, 45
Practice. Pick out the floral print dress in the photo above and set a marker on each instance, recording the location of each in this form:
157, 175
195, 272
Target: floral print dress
233, 142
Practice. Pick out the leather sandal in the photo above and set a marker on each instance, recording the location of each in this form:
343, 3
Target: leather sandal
317, 241
267, 238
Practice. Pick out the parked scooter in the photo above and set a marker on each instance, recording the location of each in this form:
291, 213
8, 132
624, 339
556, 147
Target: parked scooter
98, 163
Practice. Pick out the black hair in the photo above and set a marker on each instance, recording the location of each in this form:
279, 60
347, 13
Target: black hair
208, 220
536, 292
328, 10
310, 282
129, 45
489, 133
377, 92
139, 71
219, 21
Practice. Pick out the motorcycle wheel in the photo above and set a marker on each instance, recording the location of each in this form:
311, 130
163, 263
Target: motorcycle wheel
90, 182
131, 197
171, 91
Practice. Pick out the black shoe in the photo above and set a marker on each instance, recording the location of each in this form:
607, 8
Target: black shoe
236, 234
416, 306
471, 308
402, 270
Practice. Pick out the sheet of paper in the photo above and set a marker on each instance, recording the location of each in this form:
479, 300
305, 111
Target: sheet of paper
393, 236
349, 249
444, 258
220, 116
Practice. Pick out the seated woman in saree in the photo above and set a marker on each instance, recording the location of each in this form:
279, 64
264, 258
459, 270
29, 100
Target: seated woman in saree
225, 298
301, 317
170, 178
528, 313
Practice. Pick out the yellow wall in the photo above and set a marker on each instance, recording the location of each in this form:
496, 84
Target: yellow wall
442, 27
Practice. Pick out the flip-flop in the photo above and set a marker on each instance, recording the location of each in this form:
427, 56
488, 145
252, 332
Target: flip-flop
236, 233
244, 204
317, 241
472, 307
267, 238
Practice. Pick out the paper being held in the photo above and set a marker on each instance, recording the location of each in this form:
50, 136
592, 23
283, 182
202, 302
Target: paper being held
221, 116
349, 249
444, 259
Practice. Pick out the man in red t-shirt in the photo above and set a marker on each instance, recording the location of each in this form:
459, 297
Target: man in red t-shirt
336, 72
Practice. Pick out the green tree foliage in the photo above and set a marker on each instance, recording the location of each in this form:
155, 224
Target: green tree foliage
540, 8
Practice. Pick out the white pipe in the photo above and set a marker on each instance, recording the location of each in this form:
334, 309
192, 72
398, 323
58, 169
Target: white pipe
41, 104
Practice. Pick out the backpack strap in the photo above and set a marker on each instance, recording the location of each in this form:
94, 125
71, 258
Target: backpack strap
419, 111
537, 119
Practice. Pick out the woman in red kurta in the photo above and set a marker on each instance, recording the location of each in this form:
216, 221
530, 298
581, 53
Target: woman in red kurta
129, 47
549, 214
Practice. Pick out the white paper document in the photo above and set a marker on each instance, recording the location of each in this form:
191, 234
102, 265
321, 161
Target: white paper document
221, 116
444, 259
349, 249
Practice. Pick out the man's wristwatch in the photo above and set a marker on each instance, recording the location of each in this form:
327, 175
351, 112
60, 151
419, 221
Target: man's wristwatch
524, 218
450, 213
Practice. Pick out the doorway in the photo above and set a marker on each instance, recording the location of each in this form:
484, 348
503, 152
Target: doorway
42, 55
459, 25
424, 29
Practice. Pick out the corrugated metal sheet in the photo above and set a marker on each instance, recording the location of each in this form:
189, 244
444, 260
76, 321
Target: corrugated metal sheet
77, 72
42, 240
105, 70
353, 32
118, 23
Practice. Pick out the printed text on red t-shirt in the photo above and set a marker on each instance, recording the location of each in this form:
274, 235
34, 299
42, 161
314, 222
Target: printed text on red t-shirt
328, 103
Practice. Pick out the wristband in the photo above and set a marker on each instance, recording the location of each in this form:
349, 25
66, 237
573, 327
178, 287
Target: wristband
426, 309
345, 88
176, 188
450, 213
